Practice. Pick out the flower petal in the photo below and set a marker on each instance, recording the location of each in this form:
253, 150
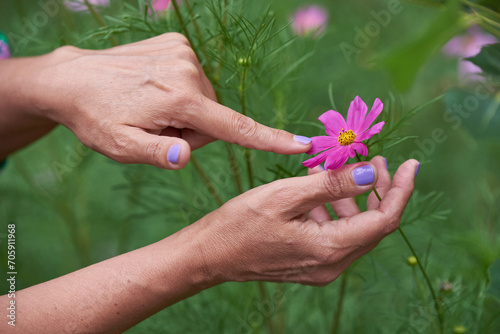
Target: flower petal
360, 148
370, 132
336, 160
374, 112
356, 114
334, 122
322, 143
313, 162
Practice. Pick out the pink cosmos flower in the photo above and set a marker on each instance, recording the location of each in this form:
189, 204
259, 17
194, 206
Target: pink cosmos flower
161, 5
79, 5
4, 50
468, 45
345, 139
310, 20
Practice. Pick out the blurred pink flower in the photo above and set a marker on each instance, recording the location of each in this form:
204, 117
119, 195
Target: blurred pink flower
344, 140
468, 45
161, 5
310, 20
79, 5
4, 50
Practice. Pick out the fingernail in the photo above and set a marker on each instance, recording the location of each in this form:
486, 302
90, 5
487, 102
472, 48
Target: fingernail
302, 140
322, 168
363, 175
173, 153
416, 172
386, 166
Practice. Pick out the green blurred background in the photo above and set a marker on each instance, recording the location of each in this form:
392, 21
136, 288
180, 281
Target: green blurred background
73, 207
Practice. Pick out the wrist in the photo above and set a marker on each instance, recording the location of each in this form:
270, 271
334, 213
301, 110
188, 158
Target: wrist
50, 84
184, 260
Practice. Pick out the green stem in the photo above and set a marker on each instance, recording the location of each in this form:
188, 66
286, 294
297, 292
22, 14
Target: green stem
207, 181
265, 297
209, 68
421, 288
183, 25
248, 161
439, 309
100, 21
234, 168
338, 311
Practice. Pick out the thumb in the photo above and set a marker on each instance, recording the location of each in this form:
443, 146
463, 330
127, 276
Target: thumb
226, 124
311, 191
160, 151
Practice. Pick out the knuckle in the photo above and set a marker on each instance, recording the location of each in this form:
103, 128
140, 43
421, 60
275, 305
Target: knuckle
193, 99
246, 127
154, 153
186, 52
188, 69
117, 148
180, 37
392, 225
336, 184
277, 135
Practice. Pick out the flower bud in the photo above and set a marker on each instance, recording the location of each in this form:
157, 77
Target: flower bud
243, 62
446, 286
459, 329
412, 261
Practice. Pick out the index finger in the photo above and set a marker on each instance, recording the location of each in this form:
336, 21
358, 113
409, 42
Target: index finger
226, 124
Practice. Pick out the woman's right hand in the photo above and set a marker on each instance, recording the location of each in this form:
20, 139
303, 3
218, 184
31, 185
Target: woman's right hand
267, 234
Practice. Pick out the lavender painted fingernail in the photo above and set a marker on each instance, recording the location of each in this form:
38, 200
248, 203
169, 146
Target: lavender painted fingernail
363, 175
386, 166
302, 140
173, 153
416, 171
322, 168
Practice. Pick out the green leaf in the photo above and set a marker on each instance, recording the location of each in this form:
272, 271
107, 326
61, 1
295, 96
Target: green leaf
488, 59
404, 63
494, 279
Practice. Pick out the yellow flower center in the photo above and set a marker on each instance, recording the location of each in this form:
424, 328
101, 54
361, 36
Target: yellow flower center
346, 137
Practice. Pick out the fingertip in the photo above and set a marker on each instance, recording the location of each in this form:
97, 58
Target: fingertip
364, 174
178, 154
380, 161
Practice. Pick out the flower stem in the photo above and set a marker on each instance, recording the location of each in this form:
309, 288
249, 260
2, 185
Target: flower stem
234, 168
437, 306
338, 311
248, 161
209, 68
207, 181
183, 25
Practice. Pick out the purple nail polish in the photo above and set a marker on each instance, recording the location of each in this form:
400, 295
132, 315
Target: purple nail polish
302, 140
386, 166
322, 168
173, 153
416, 171
363, 175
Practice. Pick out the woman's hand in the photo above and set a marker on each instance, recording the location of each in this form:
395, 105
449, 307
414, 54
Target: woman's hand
266, 233
147, 102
